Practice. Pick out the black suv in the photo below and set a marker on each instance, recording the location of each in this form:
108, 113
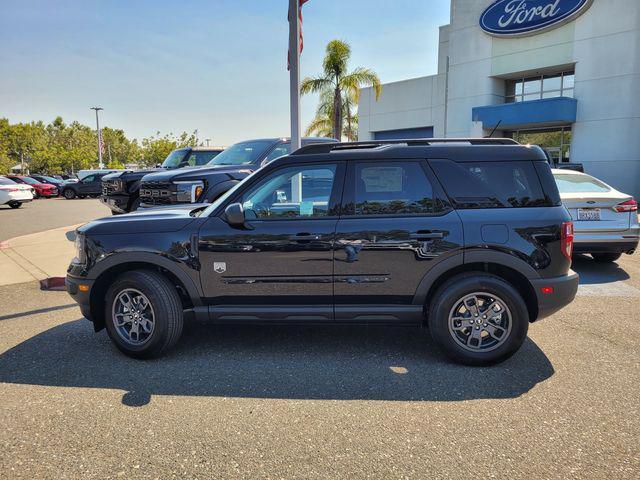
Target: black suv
121, 190
89, 186
204, 185
466, 237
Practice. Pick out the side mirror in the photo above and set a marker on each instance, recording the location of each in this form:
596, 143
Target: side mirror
235, 215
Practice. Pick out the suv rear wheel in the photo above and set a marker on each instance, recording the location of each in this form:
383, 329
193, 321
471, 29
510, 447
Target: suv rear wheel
143, 314
478, 319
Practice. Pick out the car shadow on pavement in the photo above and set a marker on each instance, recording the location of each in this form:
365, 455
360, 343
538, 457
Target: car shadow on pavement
592, 272
324, 363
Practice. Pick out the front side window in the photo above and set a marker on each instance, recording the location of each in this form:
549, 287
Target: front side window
175, 158
280, 151
88, 179
391, 188
198, 158
293, 192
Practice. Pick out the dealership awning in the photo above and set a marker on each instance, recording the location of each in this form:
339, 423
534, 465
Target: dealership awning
530, 114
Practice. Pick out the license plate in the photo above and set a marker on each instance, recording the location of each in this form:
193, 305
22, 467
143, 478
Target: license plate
591, 214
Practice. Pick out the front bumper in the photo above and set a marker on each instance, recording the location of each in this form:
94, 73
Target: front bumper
117, 203
564, 290
82, 298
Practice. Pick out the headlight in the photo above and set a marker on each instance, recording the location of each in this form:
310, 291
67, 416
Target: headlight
189, 192
81, 249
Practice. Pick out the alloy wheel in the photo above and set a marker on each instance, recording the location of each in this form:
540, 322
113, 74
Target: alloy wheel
133, 316
480, 322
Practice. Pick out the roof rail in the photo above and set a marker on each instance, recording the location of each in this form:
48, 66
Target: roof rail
330, 147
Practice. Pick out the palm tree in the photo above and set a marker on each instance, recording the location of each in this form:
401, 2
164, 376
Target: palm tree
322, 124
344, 87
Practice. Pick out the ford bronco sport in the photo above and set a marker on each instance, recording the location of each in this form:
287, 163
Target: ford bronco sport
467, 238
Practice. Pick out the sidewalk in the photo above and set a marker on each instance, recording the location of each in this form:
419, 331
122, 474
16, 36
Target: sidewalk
36, 256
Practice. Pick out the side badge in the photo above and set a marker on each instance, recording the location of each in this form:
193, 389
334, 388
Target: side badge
219, 267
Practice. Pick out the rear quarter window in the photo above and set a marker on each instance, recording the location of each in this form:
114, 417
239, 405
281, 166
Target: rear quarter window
495, 184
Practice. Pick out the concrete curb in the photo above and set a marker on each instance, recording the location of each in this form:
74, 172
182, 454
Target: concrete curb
37, 257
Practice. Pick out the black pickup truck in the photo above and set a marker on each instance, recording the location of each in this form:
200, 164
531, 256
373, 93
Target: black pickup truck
120, 190
204, 185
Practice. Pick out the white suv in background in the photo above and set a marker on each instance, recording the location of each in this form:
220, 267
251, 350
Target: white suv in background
14, 194
605, 221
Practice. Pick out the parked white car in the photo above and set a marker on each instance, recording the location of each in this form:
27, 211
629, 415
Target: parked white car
605, 220
14, 194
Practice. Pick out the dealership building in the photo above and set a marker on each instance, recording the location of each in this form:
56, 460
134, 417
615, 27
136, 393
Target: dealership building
564, 74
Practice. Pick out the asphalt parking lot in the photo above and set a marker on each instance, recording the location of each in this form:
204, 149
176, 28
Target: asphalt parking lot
341, 402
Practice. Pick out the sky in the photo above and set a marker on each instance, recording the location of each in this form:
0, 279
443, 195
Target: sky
218, 66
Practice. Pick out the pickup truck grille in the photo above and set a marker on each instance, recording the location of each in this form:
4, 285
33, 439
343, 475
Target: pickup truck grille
109, 187
157, 193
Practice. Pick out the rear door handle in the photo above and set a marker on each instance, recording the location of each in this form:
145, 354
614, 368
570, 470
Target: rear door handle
304, 237
426, 235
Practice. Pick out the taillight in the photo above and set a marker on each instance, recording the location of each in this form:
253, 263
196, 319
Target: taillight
628, 206
566, 239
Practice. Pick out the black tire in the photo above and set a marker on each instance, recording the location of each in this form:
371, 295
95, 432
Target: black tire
606, 257
15, 204
167, 309
69, 193
450, 294
135, 205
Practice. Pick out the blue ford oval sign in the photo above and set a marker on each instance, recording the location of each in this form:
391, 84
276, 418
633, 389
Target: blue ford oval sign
511, 18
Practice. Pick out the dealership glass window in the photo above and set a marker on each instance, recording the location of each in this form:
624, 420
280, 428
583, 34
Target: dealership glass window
556, 141
540, 86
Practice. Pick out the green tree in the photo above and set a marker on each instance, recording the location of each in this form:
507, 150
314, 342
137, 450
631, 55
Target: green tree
344, 86
322, 124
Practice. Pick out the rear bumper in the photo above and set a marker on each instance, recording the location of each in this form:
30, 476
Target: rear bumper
117, 203
564, 291
623, 241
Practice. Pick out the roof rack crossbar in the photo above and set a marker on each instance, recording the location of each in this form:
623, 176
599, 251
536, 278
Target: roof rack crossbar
370, 144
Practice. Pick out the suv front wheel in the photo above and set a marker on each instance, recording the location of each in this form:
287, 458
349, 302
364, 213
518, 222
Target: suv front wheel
478, 319
143, 313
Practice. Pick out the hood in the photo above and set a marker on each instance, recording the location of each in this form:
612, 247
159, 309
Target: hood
145, 221
233, 172
130, 174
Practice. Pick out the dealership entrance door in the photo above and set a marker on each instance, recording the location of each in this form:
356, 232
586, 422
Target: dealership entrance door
556, 141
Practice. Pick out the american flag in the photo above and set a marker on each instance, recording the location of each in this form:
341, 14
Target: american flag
301, 3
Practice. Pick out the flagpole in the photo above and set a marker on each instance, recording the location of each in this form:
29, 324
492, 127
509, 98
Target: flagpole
294, 72
100, 164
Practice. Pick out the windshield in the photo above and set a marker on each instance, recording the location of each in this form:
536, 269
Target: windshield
30, 180
568, 183
175, 158
6, 181
242, 153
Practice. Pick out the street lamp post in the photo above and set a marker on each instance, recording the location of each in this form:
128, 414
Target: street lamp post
97, 109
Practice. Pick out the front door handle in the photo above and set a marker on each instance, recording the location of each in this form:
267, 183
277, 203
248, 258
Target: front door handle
426, 235
304, 237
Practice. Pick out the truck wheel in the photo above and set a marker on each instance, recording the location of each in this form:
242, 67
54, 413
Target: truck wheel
69, 194
143, 314
606, 257
478, 319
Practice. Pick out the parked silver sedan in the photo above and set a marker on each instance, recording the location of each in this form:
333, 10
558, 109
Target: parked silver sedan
605, 220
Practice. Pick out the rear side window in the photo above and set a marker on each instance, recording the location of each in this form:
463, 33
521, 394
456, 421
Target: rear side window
390, 188
491, 184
